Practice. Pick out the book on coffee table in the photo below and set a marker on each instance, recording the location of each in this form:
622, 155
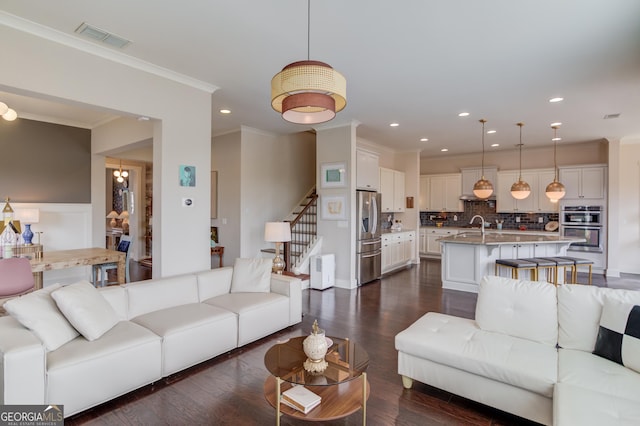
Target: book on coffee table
300, 398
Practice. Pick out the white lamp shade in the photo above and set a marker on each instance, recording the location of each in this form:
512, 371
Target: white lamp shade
277, 232
10, 115
112, 215
124, 215
29, 216
3, 108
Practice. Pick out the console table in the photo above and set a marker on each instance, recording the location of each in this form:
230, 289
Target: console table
219, 250
61, 259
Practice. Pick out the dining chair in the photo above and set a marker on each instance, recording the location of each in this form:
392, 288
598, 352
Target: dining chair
16, 277
100, 271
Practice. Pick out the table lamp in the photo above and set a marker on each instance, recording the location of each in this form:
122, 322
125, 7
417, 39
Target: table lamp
277, 232
113, 216
28, 217
125, 220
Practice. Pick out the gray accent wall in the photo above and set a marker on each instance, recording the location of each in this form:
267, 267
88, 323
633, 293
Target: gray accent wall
44, 163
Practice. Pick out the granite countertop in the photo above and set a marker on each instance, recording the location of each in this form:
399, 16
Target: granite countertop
393, 231
496, 231
497, 238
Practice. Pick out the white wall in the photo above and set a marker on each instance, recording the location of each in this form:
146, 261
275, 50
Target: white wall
338, 144
261, 178
182, 134
624, 208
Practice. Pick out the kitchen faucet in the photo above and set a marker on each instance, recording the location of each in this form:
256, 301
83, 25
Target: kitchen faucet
481, 225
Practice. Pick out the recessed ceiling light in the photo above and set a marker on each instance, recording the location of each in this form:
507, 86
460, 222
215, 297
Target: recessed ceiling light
424, 140
444, 150
394, 124
490, 132
495, 145
610, 116
225, 111
553, 100
463, 114
143, 118
556, 124
101, 35
556, 139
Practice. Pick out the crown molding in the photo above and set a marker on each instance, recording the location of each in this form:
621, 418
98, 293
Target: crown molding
74, 42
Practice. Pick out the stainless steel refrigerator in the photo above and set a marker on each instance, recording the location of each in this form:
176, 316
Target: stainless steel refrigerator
369, 244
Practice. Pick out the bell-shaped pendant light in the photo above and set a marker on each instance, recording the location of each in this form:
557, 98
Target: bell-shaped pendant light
555, 190
520, 190
308, 92
482, 188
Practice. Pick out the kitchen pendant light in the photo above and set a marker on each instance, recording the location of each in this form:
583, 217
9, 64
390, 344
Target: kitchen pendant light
308, 92
555, 190
520, 190
482, 188
120, 174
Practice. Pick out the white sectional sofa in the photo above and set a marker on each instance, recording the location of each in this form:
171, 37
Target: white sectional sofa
529, 352
161, 326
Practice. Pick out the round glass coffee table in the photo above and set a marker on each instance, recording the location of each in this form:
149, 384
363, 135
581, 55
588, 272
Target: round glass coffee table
343, 386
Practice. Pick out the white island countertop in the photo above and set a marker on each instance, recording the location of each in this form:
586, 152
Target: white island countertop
497, 238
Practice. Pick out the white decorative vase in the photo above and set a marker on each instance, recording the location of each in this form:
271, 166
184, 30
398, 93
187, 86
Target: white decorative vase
315, 347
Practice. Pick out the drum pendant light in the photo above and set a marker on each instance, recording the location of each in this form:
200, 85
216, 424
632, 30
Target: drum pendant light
482, 188
520, 190
555, 190
308, 92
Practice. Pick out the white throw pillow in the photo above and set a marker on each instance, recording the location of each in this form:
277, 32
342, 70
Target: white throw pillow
525, 309
38, 312
619, 334
86, 309
251, 276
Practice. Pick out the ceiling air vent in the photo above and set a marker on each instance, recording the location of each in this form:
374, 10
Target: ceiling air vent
101, 35
611, 116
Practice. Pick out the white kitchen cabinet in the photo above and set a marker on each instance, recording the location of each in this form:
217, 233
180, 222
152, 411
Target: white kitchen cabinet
423, 202
423, 241
398, 249
392, 189
516, 251
536, 202
471, 175
444, 192
584, 183
432, 235
367, 170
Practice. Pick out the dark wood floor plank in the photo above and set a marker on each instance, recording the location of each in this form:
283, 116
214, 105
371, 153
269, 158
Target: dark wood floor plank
228, 390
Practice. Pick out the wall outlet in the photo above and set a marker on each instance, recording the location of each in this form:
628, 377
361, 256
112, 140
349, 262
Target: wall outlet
517, 219
540, 219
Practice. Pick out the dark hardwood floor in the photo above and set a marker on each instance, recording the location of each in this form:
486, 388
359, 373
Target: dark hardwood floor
228, 390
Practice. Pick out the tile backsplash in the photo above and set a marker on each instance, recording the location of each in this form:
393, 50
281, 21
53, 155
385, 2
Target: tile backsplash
487, 209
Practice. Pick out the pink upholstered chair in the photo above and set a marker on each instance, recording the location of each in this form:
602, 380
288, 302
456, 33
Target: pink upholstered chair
16, 277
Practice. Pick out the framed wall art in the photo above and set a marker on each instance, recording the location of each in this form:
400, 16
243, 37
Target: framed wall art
333, 175
187, 175
334, 207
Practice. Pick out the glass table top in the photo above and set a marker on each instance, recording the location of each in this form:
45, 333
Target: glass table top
347, 360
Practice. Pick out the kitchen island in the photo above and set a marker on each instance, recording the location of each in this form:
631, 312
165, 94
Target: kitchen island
469, 256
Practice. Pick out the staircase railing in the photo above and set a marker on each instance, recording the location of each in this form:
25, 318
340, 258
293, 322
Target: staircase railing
304, 229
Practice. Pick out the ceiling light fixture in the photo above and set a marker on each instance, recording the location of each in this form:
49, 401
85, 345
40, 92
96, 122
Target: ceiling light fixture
444, 150
494, 145
520, 190
7, 113
555, 190
554, 100
482, 188
394, 124
308, 92
120, 174
225, 111
424, 140
463, 114
490, 132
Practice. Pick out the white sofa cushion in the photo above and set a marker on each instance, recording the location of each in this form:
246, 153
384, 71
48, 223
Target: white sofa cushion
116, 295
585, 370
214, 282
82, 374
251, 276
619, 334
525, 309
573, 405
86, 309
154, 295
579, 312
39, 313
191, 333
460, 343
259, 314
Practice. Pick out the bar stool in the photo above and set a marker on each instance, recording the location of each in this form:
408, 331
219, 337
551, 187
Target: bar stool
546, 265
517, 265
579, 261
563, 263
